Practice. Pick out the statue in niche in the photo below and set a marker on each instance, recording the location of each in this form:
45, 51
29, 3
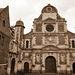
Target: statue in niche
37, 58
63, 58
25, 55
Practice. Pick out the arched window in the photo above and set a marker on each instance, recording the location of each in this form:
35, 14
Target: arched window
27, 44
73, 44
12, 66
3, 23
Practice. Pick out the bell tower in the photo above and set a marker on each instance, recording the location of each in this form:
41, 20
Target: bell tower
19, 31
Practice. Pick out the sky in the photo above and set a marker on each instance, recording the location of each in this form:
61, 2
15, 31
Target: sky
28, 10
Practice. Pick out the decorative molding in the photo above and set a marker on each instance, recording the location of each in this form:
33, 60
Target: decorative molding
50, 40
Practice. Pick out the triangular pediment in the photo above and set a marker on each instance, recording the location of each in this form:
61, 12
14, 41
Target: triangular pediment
50, 47
49, 20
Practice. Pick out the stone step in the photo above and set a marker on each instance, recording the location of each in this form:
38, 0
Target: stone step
50, 74
46, 74
41, 74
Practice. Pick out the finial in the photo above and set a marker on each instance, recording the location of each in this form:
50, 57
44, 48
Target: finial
49, 4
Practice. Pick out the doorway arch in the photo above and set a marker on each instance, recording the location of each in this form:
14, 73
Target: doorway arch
73, 67
26, 67
50, 65
12, 66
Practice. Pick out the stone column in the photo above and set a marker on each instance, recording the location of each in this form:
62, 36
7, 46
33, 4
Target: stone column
68, 59
58, 59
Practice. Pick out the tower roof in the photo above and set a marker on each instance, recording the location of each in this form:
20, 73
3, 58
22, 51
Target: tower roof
19, 23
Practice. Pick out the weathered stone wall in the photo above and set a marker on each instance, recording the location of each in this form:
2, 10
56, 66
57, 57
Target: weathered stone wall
4, 39
4, 15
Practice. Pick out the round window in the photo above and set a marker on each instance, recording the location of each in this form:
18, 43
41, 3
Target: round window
49, 9
49, 28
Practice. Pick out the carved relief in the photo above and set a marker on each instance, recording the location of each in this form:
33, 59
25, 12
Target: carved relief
62, 58
50, 40
25, 55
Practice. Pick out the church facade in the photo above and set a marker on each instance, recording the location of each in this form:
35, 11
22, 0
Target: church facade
48, 48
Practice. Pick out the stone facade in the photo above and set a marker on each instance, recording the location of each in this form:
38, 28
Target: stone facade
4, 38
48, 48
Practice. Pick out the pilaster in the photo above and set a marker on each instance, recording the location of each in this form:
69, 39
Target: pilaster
33, 59
16, 65
43, 63
9, 66
68, 63
58, 66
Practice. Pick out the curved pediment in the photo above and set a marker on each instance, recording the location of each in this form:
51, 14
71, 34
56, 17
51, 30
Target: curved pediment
49, 9
50, 47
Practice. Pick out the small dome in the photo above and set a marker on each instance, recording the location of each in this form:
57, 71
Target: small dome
19, 22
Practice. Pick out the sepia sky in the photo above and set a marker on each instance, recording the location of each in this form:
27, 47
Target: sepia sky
27, 10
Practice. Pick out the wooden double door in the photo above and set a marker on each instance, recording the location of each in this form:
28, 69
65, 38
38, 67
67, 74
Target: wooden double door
50, 65
26, 67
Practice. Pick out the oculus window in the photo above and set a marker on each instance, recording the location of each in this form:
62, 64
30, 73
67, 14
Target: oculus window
49, 28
